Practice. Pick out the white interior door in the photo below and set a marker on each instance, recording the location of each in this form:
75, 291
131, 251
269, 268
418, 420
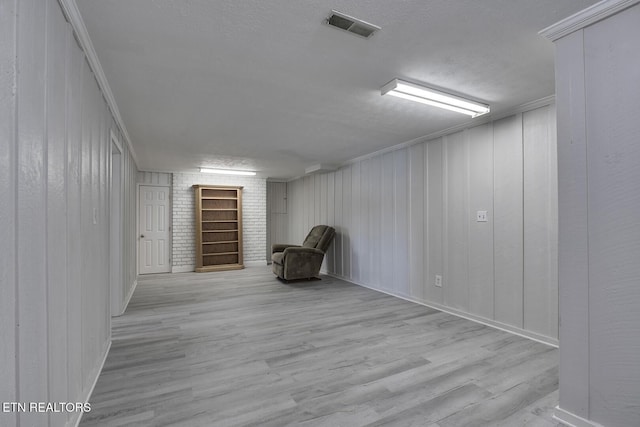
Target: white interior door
154, 230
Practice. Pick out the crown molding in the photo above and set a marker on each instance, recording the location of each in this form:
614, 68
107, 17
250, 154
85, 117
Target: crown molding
586, 17
72, 13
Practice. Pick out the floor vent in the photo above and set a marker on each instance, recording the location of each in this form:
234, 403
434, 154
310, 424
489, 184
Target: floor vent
350, 24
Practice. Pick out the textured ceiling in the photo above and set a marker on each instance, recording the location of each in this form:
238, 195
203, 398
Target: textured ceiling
264, 85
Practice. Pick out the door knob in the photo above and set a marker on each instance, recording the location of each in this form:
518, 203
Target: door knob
142, 236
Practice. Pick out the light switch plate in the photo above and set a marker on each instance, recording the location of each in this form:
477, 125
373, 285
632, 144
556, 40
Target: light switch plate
481, 216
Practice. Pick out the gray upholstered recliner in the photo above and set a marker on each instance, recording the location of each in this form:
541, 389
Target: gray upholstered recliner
291, 262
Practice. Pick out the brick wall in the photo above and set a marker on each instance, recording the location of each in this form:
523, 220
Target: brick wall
254, 217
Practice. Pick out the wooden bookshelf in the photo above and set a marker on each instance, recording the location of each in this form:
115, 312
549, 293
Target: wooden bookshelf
218, 228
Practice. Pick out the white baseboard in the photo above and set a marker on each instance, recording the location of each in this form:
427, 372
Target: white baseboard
488, 322
183, 268
192, 268
128, 298
573, 420
255, 263
93, 386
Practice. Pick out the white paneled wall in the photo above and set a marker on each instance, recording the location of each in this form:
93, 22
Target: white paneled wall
129, 201
55, 166
8, 233
404, 216
597, 72
508, 219
540, 222
277, 217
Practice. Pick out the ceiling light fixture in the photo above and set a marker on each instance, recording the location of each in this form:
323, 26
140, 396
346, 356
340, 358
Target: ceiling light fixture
433, 97
227, 172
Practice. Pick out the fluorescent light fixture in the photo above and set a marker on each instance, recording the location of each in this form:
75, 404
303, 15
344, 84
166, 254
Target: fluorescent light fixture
433, 97
226, 171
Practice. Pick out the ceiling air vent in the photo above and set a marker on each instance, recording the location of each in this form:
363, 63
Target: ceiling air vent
351, 24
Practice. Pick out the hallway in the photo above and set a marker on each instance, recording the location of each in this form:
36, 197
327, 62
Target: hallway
240, 348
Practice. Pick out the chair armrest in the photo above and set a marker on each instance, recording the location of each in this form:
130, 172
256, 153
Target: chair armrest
302, 250
280, 247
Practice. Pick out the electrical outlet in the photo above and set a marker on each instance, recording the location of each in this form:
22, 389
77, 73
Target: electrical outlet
481, 216
438, 281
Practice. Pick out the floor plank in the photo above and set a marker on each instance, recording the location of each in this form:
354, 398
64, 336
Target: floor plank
241, 348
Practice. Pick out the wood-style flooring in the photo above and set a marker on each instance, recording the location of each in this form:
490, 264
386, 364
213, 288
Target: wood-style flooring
241, 348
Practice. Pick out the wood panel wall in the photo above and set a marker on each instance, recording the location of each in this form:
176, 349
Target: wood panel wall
129, 251
55, 173
597, 72
404, 216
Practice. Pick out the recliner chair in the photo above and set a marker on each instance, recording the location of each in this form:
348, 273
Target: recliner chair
291, 262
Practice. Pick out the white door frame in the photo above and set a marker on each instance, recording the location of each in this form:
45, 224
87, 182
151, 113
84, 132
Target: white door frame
116, 229
169, 221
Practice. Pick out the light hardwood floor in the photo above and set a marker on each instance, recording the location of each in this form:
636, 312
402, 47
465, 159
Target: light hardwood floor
241, 348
